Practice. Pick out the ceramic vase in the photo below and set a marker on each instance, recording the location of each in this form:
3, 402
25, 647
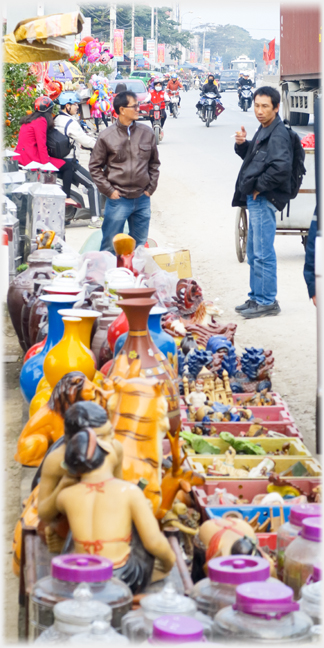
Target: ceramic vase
69, 354
32, 370
88, 318
40, 265
154, 364
120, 325
163, 340
37, 318
27, 310
36, 348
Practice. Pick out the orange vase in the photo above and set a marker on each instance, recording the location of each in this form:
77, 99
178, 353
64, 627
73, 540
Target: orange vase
69, 354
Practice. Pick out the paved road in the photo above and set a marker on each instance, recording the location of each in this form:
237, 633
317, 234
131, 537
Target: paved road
192, 208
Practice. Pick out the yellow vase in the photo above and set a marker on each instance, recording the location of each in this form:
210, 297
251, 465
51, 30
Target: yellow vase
43, 384
41, 398
88, 318
68, 355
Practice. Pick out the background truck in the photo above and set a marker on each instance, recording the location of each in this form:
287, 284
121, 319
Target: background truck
300, 58
244, 64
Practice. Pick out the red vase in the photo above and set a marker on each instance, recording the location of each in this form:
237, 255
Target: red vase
36, 348
154, 364
119, 326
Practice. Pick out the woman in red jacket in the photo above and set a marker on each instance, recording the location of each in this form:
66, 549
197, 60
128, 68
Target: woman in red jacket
32, 138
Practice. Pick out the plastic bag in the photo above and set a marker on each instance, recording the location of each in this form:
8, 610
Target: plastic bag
99, 263
164, 283
308, 141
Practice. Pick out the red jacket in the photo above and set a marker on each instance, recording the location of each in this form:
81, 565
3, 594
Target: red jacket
158, 98
174, 85
32, 144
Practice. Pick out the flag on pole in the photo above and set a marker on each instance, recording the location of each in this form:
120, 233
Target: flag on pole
265, 54
271, 52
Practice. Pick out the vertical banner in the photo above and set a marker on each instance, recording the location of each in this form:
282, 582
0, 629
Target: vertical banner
161, 53
207, 56
150, 46
146, 56
138, 42
118, 44
193, 57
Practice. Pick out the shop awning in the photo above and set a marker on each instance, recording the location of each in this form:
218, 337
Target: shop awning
42, 38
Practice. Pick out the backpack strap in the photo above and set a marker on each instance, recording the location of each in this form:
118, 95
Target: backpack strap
66, 126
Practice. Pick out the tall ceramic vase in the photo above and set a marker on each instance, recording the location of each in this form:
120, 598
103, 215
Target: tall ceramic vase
154, 364
88, 318
69, 354
32, 370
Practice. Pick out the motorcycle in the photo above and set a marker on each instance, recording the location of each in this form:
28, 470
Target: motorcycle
174, 103
185, 85
207, 109
79, 211
157, 126
245, 98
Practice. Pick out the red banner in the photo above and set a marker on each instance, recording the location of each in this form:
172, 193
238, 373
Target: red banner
138, 42
119, 44
265, 54
272, 50
161, 53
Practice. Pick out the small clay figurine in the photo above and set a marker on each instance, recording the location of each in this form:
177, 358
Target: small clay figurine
111, 517
197, 398
218, 535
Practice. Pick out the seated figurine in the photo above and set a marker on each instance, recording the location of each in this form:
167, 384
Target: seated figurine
111, 517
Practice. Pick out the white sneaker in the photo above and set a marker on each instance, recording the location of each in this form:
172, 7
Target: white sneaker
95, 223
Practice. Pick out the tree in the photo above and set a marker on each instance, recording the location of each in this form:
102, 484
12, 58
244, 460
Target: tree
20, 93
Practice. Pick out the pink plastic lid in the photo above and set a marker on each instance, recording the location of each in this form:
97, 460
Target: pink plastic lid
177, 629
299, 512
315, 576
269, 600
80, 568
312, 529
238, 569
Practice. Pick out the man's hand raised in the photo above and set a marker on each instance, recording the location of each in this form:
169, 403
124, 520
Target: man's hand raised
240, 136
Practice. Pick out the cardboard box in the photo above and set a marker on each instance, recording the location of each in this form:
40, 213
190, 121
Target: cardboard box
179, 262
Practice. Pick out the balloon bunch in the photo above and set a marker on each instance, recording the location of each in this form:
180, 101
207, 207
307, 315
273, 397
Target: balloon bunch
101, 98
52, 87
94, 50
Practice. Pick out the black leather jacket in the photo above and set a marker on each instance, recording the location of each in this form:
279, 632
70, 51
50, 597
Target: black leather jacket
267, 166
210, 87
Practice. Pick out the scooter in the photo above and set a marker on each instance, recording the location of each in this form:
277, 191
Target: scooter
207, 109
155, 112
245, 98
78, 211
174, 102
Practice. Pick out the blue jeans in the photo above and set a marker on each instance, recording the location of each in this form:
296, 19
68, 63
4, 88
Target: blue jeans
137, 211
260, 250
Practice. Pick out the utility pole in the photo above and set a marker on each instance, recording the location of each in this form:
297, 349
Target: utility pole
152, 23
132, 53
156, 36
112, 30
203, 54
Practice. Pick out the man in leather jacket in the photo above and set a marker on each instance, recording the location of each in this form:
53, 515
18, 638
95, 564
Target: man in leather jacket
125, 167
263, 186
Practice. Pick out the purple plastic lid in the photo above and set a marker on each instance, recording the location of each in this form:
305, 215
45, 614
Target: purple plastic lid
271, 599
317, 573
177, 628
299, 512
81, 568
238, 569
312, 529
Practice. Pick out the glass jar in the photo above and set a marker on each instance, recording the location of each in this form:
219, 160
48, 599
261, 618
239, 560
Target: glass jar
101, 633
302, 554
311, 601
224, 575
176, 629
137, 625
263, 612
74, 616
290, 530
68, 570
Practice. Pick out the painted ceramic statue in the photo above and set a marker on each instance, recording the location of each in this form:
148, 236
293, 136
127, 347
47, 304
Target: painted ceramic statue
111, 517
138, 412
47, 425
197, 398
218, 535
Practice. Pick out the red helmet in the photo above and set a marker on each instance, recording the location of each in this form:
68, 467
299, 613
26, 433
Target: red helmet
43, 104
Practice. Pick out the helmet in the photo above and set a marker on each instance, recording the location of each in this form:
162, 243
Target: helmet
43, 104
167, 75
174, 76
69, 97
157, 80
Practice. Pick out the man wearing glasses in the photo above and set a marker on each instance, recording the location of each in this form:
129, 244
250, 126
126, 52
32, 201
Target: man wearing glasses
124, 164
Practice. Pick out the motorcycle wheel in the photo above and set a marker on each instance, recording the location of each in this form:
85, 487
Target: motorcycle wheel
209, 118
175, 111
245, 106
157, 134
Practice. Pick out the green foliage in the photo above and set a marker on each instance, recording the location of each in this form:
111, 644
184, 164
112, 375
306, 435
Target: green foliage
20, 92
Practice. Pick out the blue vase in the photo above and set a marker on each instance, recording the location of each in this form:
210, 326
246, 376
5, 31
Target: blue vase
32, 370
163, 340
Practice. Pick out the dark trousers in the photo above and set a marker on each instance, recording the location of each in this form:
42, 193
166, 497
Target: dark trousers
104, 119
163, 117
74, 173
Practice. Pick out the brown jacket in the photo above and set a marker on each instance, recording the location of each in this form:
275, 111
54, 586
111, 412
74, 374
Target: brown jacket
131, 160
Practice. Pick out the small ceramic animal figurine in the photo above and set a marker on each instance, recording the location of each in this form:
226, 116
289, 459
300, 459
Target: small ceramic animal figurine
47, 424
111, 517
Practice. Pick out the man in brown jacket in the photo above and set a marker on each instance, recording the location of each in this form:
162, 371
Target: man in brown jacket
124, 165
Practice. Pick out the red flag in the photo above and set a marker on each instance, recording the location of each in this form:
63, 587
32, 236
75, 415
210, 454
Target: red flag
271, 52
265, 54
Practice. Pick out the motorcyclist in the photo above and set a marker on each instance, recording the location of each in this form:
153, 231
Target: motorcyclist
211, 86
159, 96
67, 124
243, 80
174, 85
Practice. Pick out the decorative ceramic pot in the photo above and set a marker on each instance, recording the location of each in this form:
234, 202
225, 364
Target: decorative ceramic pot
153, 362
117, 328
163, 340
26, 311
187, 343
36, 348
40, 265
32, 370
70, 354
37, 316
120, 325
88, 320
105, 353
100, 336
